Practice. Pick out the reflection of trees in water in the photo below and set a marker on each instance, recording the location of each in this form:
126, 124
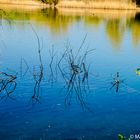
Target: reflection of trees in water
115, 31
4, 15
136, 33
92, 20
116, 28
135, 25
58, 21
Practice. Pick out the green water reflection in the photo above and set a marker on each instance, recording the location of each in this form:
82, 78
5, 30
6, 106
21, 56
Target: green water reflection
116, 22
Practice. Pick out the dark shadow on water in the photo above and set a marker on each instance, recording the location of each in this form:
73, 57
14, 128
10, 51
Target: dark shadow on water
137, 17
50, 12
138, 2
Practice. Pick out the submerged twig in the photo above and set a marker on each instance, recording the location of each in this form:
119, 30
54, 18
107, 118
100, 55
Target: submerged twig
52, 76
23, 61
7, 84
116, 82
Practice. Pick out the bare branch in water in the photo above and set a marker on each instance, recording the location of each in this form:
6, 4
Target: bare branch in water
116, 82
23, 61
7, 84
37, 75
52, 77
78, 75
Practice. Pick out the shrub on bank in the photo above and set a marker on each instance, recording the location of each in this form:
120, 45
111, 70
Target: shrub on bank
50, 2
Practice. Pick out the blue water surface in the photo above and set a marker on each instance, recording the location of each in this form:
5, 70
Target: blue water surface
103, 112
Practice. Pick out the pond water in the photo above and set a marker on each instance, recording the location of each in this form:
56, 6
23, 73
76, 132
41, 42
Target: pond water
68, 75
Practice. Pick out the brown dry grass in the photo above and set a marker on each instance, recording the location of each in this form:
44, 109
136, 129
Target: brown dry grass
21, 2
89, 4
106, 4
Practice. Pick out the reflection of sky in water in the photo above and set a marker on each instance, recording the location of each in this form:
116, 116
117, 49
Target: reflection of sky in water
113, 113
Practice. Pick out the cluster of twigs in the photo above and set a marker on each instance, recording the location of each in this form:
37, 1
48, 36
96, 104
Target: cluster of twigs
7, 84
75, 72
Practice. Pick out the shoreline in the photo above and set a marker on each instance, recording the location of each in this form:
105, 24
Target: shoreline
107, 14
38, 5
98, 5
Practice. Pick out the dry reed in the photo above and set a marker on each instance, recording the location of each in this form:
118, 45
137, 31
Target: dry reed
97, 4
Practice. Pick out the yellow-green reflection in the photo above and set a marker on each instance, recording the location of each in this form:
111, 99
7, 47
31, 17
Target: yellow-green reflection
59, 20
56, 21
135, 25
95, 20
114, 31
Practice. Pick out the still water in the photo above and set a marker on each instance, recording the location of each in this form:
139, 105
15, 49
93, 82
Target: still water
68, 75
